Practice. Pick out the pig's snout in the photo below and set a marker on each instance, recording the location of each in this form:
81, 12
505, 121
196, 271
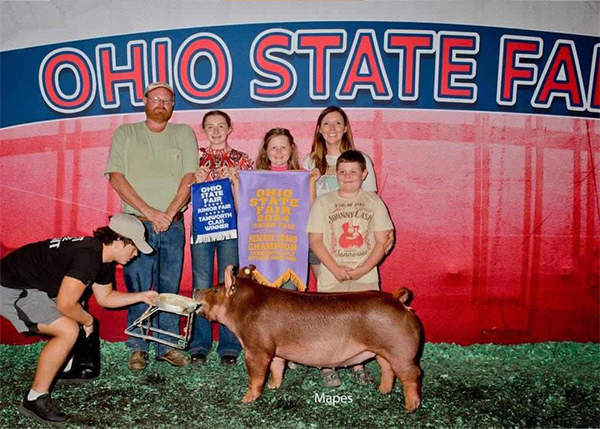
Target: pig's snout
199, 296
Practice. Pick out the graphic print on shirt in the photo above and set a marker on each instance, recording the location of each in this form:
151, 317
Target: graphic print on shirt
351, 236
350, 223
328, 181
55, 242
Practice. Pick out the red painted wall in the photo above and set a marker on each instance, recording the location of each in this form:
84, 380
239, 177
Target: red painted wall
497, 216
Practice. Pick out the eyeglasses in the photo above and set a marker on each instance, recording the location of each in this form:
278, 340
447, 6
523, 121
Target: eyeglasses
158, 100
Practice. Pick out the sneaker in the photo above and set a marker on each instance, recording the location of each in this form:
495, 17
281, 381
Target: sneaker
137, 361
362, 376
43, 410
175, 358
228, 360
330, 378
198, 359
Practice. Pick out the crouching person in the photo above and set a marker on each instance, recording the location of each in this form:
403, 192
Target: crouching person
41, 285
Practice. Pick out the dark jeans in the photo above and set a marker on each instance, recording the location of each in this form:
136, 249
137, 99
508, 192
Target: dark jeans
161, 269
203, 256
289, 285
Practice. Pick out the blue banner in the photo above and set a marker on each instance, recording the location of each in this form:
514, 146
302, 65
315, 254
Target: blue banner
213, 212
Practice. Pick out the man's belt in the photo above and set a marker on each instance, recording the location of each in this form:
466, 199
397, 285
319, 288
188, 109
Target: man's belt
176, 218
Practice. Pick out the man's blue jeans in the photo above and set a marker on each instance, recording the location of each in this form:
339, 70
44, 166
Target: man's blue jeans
203, 256
161, 269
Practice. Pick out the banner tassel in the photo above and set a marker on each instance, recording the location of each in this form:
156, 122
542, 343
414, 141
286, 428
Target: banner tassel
288, 275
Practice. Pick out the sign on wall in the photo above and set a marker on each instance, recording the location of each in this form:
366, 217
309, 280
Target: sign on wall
399, 65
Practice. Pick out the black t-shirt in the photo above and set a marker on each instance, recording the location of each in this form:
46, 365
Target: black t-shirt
44, 264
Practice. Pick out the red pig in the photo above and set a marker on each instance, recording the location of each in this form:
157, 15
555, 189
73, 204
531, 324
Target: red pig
316, 329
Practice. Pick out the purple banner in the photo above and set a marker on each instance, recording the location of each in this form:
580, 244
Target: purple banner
273, 211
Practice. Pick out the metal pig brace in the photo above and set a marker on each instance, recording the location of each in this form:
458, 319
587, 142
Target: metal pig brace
171, 303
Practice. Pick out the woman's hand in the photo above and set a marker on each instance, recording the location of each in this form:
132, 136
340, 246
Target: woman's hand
315, 174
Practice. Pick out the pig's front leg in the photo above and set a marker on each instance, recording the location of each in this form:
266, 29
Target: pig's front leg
277, 368
257, 365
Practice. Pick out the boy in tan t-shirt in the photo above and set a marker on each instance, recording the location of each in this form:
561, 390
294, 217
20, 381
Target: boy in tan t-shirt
347, 231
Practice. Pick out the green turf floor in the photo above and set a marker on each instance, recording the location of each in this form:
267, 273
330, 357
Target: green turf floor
530, 385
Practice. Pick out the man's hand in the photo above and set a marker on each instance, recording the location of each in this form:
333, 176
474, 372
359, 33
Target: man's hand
160, 220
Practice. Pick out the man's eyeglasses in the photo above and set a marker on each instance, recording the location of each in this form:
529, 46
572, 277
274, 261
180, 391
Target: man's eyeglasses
158, 100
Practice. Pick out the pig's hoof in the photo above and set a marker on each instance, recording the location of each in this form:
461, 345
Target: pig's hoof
249, 398
385, 390
273, 385
412, 405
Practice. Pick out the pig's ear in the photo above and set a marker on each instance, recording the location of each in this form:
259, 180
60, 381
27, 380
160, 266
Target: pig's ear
229, 290
229, 275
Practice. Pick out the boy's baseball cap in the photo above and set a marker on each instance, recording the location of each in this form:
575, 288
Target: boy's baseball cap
156, 85
130, 227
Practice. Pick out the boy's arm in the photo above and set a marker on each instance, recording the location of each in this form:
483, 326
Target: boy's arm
318, 247
107, 297
374, 257
389, 242
67, 301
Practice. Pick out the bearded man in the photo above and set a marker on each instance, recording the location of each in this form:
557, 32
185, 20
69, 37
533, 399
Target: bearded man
151, 166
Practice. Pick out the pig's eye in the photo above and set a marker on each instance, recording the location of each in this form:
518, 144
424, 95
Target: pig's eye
215, 290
